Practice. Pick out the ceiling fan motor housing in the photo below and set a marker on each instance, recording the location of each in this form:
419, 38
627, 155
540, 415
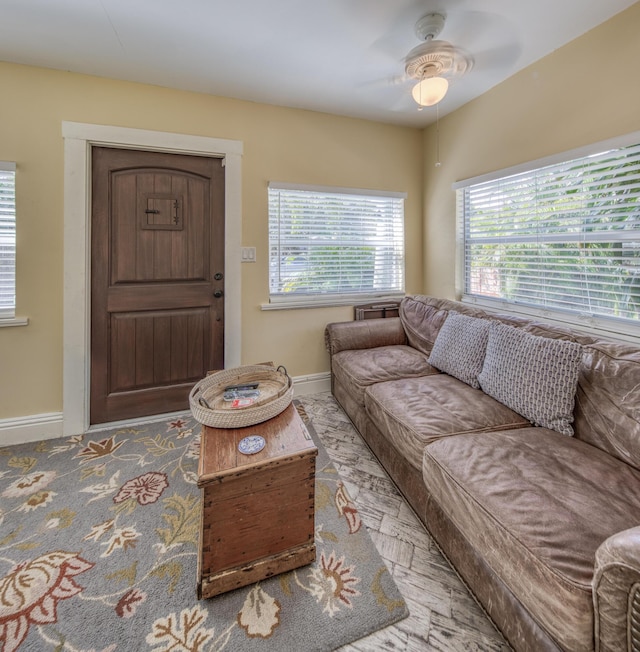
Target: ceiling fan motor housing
429, 26
435, 58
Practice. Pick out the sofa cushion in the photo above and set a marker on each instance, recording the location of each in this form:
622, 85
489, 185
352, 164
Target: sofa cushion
460, 347
423, 316
421, 321
607, 412
536, 507
535, 376
415, 411
360, 368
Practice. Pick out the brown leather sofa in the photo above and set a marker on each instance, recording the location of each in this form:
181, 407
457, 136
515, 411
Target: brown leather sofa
544, 528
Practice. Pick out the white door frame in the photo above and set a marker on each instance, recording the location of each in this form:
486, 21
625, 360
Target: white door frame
78, 139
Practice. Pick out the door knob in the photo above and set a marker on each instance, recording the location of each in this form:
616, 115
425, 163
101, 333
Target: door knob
217, 294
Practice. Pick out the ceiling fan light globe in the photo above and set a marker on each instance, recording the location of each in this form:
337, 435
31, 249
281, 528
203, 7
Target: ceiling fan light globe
430, 91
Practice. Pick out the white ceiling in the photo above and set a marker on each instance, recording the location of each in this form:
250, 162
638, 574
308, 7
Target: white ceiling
337, 56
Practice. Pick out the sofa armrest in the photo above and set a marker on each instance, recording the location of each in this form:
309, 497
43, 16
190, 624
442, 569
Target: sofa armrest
365, 334
616, 592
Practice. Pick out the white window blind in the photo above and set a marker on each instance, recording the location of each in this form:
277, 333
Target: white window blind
334, 242
7, 240
563, 237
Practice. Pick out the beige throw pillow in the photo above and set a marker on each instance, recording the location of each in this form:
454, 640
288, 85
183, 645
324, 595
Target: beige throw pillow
460, 347
534, 376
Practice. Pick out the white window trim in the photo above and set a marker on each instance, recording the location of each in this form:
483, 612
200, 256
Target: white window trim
619, 329
280, 302
8, 318
586, 150
370, 192
10, 322
283, 303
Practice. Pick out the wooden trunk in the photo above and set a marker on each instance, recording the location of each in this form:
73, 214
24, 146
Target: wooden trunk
257, 510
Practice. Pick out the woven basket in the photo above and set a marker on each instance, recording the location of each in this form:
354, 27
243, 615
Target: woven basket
209, 408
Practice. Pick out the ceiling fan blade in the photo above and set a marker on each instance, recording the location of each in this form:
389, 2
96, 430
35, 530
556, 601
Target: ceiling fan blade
398, 35
404, 103
385, 82
503, 57
478, 31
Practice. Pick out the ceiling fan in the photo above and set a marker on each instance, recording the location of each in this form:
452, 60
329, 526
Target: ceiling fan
433, 63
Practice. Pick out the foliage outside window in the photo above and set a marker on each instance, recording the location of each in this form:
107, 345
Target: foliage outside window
564, 237
332, 244
7, 240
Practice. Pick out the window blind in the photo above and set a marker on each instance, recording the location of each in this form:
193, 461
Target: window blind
564, 237
331, 242
7, 239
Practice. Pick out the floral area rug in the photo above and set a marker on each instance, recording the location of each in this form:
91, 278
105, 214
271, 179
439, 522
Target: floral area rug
98, 552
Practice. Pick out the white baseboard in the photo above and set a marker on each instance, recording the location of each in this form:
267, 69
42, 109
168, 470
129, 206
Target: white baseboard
311, 384
37, 427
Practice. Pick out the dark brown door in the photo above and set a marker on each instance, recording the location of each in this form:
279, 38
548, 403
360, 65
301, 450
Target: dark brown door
157, 263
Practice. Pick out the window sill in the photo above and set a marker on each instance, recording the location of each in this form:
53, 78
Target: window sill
623, 331
13, 321
329, 302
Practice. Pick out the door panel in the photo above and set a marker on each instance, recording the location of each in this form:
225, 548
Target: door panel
167, 347
157, 243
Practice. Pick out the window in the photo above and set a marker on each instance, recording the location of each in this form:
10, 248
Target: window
334, 246
7, 240
564, 237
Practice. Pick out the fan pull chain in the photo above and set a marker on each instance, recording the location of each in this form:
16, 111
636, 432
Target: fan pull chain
438, 164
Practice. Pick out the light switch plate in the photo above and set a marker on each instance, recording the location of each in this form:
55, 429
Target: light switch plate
248, 254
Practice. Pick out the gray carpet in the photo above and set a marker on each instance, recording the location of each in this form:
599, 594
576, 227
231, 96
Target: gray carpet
98, 551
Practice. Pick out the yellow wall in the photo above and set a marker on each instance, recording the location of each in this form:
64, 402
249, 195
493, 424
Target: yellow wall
279, 144
550, 107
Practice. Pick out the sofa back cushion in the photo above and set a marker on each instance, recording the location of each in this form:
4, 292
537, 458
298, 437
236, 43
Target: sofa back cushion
422, 320
607, 401
607, 404
607, 412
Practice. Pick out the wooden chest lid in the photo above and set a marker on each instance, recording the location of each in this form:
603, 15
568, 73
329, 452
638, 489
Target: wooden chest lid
286, 437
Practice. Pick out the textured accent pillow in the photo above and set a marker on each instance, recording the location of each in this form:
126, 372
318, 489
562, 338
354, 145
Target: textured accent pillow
460, 347
534, 376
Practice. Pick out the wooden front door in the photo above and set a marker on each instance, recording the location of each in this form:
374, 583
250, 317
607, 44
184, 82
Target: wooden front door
157, 285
